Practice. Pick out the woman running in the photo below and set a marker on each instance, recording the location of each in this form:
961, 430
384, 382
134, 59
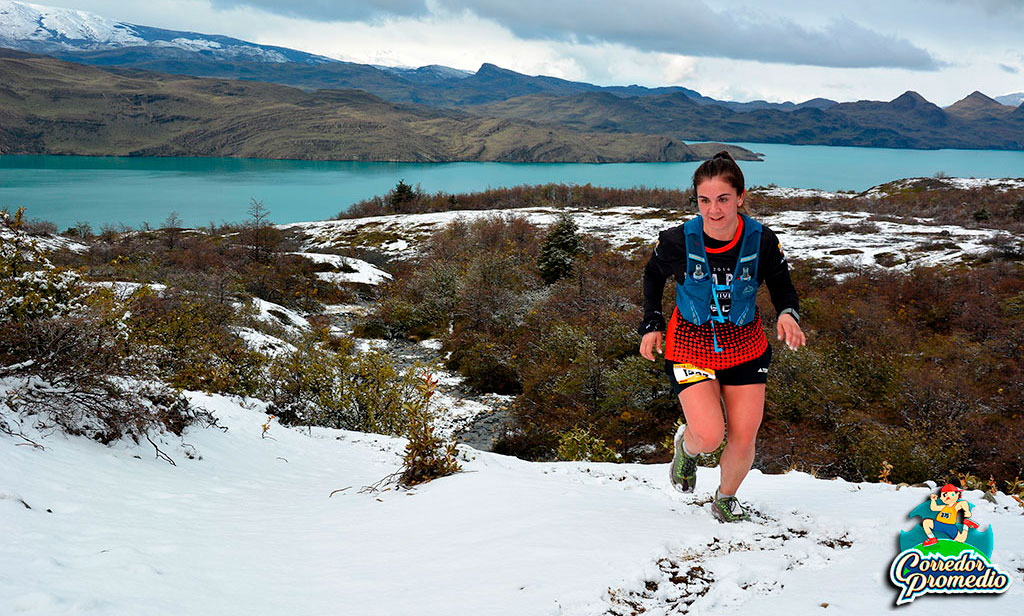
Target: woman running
716, 352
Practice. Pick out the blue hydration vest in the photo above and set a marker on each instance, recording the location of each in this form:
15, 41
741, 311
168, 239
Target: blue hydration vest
698, 292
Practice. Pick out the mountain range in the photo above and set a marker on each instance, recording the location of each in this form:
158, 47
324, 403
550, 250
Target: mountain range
48, 106
79, 36
493, 94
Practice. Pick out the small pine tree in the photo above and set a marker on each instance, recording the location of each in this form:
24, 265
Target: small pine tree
401, 194
559, 249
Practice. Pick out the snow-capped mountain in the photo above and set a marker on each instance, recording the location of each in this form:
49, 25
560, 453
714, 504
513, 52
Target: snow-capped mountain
81, 36
429, 73
51, 30
1013, 100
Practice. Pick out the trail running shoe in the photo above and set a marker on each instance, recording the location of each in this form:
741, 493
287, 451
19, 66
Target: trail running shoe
683, 471
728, 509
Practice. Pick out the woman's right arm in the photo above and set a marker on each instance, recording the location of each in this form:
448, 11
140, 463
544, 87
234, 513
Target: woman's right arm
656, 272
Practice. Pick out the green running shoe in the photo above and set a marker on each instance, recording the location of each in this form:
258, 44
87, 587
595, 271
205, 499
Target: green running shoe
683, 471
728, 509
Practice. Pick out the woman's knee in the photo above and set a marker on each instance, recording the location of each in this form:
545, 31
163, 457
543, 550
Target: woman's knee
707, 438
743, 440
702, 406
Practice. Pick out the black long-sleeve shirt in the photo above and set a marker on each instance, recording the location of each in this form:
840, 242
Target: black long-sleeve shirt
669, 259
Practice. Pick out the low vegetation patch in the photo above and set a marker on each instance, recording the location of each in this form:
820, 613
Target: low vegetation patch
102, 342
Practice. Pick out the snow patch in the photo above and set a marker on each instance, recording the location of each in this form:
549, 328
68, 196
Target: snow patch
790, 193
270, 312
124, 289
364, 273
48, 243
266, 344
857, 239
433, 344
1001, 184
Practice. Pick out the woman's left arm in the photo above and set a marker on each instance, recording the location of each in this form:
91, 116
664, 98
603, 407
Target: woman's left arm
774, 271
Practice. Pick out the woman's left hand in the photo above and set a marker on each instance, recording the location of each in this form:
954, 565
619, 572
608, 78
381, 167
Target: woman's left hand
789, 331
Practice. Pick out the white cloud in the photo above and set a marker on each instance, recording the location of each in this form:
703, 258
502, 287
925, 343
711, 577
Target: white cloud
347, 10
691, 27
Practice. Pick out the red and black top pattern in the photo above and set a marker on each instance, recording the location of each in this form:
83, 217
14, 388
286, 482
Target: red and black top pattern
686, 343
694, 344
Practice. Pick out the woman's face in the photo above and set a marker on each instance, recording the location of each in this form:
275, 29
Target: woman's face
719, 204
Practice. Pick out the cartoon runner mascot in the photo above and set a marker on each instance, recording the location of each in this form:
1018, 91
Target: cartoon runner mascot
945, 522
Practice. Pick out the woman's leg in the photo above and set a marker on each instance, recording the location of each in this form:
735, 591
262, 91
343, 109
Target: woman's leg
744, 407
705, 424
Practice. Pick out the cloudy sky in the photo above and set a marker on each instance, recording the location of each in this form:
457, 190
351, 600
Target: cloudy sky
728, 49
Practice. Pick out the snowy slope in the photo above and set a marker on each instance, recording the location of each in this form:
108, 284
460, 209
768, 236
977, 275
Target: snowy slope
248, 526
23, 21
1013, 100
853, 239
42, 29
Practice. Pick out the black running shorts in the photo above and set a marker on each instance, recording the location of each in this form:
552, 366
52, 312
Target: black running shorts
752, 372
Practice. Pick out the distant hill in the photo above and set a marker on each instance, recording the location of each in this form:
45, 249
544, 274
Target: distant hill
48, 106
978, 107
908, 121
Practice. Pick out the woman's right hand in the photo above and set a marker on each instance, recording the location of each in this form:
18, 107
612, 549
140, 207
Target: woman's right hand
650, 341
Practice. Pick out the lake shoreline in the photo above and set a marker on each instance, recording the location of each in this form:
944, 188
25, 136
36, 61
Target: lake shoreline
139, 190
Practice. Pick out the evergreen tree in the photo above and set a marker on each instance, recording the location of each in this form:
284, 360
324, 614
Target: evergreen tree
559, 249
401, 194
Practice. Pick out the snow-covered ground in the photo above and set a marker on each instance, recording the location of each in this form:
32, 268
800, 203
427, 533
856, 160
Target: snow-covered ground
48, 242
259, 341
854, 238
249, 525
787, 193
845, 238
1001, 184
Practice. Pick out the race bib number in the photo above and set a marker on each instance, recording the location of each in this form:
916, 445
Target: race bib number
688, 373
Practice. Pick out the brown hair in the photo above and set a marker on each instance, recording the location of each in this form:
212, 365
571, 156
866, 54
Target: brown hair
721, 165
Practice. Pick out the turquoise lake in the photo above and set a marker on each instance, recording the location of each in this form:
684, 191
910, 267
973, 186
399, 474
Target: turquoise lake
69, 189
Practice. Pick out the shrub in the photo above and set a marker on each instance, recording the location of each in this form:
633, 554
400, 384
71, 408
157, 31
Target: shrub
578, 444
324, 383
487, 364
192, 342
427, 456
309, 386
101, 409
71, 355
541, 195
915, 456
